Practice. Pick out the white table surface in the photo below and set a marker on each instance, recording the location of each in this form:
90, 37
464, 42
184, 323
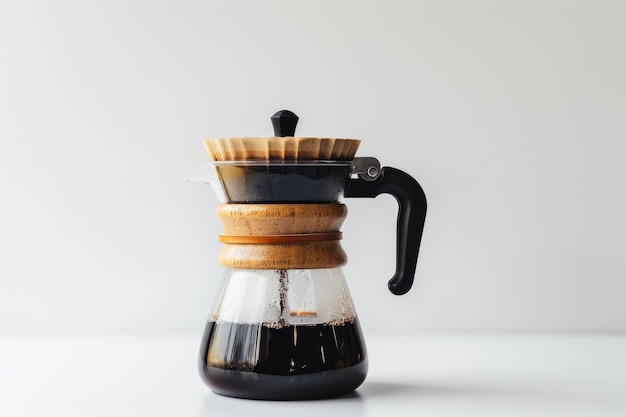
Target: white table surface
426, 375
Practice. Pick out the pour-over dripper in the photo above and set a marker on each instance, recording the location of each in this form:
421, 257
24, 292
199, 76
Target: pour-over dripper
289, 177
279, 169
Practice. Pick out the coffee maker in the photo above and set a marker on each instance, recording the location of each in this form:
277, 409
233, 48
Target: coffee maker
283, 325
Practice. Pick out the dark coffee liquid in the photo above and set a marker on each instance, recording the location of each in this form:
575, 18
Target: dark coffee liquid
261, 361
275, 183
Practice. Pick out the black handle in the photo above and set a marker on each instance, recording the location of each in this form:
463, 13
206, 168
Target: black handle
284, 123
411, 217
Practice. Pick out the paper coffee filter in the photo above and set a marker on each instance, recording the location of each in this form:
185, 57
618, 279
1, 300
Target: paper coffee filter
281, 148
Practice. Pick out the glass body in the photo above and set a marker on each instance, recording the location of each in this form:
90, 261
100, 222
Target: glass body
283, 334
276, 182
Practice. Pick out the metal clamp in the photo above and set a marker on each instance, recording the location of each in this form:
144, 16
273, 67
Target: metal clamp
367, 168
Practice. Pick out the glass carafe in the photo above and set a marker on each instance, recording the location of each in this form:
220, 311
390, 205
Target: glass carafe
283, 334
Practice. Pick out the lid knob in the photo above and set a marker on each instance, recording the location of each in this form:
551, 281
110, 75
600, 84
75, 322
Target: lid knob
284, 123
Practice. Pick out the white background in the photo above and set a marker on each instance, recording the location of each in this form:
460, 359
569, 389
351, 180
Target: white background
511, 114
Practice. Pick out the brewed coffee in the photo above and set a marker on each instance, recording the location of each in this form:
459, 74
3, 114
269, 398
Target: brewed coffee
271, 361
284, 181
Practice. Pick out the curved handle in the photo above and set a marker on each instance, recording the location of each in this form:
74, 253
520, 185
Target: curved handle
411, 217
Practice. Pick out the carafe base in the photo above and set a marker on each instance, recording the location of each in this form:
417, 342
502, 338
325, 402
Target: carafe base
255, 386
